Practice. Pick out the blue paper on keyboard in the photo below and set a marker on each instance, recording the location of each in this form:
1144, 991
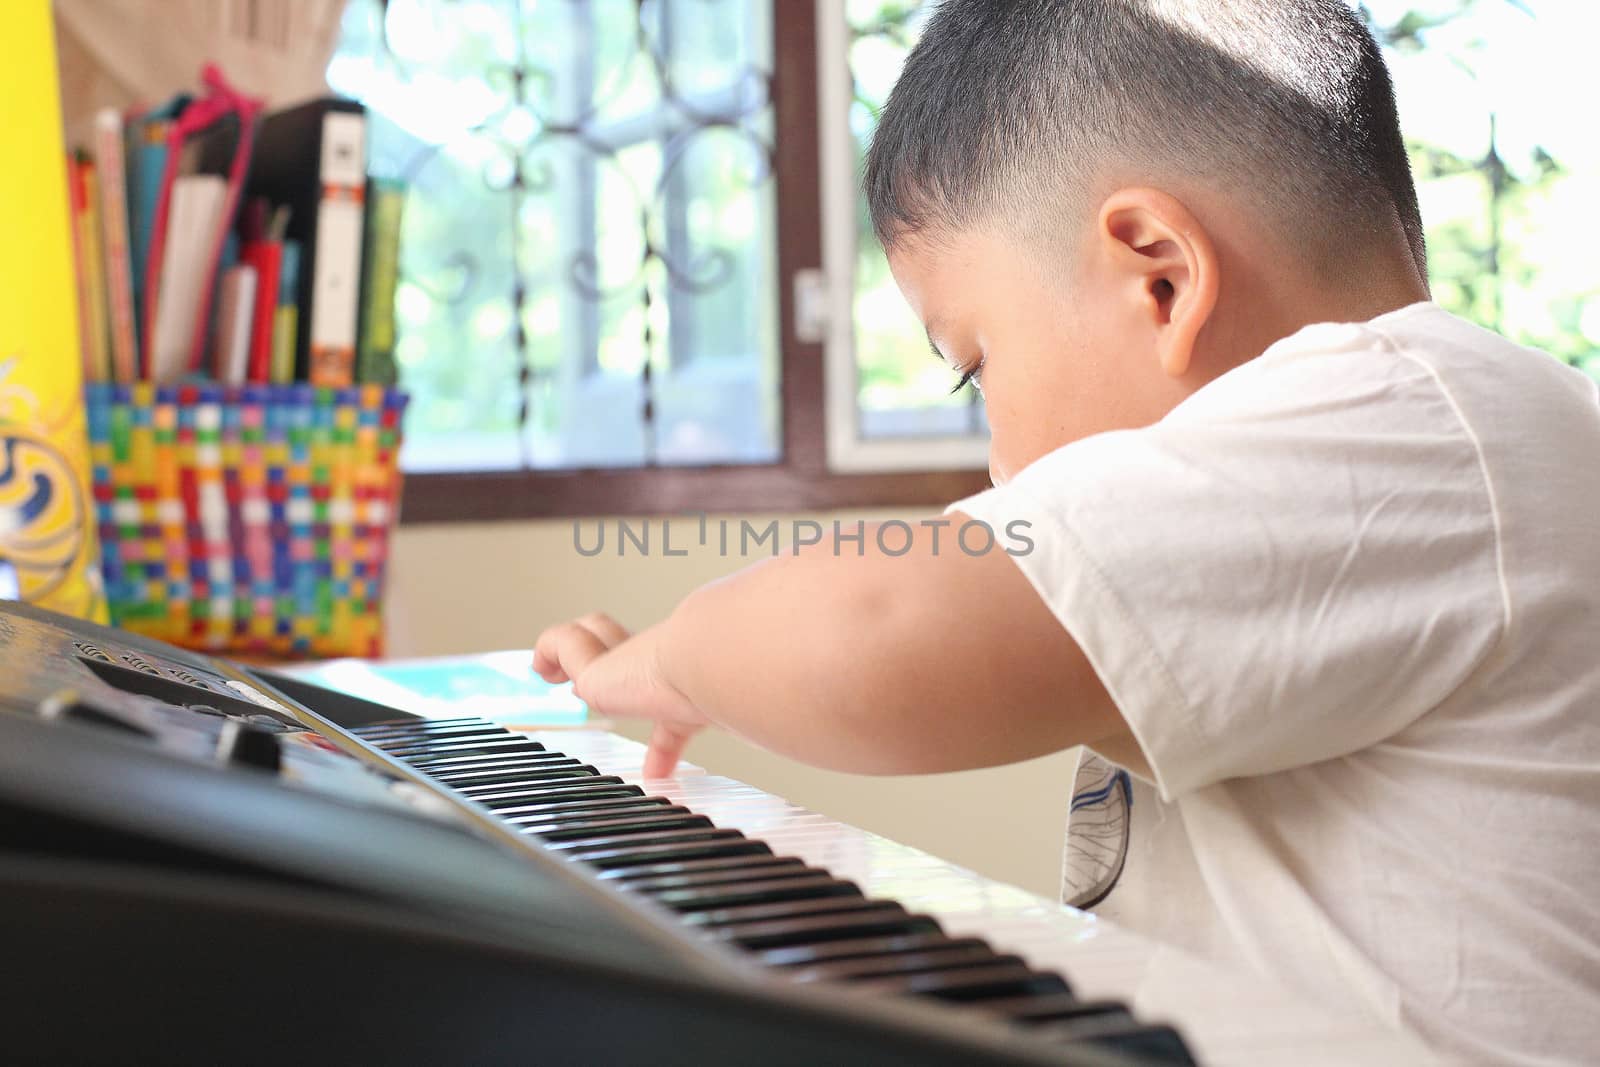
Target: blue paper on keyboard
500, 686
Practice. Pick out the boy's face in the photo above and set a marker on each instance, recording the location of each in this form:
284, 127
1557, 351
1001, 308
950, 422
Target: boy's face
1060, 349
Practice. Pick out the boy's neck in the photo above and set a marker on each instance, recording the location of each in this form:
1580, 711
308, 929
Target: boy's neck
1282, 308
1364, 300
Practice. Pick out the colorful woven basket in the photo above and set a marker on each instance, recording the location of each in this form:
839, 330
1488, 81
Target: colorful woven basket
249, 519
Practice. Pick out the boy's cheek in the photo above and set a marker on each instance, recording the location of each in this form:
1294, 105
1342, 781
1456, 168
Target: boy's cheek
1006, 455
1021, 427
1005, 434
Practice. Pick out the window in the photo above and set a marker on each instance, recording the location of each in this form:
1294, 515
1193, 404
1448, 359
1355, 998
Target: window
889, 404
588, 276
617, 295
600, 254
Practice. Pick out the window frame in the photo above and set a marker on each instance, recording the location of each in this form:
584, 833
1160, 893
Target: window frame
804, 478
848, 449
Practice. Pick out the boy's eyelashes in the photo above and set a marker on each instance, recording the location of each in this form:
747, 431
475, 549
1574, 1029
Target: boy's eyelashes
968, 377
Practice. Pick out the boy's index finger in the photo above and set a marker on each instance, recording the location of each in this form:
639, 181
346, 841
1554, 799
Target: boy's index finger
569, 648
667, 742
548, 669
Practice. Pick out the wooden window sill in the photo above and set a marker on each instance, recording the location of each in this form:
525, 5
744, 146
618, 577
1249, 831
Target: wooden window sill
504, 495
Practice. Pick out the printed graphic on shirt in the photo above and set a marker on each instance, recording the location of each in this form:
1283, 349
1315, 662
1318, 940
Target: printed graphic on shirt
1098, 823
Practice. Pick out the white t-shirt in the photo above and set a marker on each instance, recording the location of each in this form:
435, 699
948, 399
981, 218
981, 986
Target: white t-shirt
1347, 597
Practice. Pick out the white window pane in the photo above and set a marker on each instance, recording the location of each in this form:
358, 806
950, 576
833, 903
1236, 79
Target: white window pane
902, 391
616, 306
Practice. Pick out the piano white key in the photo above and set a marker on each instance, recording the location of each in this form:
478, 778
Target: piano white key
1229, 1019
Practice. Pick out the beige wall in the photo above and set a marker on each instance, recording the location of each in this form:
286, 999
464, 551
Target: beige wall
473, 587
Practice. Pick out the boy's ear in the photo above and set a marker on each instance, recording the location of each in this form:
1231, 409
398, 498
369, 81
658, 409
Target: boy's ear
1166, 257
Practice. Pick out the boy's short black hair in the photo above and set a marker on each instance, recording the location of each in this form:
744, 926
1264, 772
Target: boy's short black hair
1009, 106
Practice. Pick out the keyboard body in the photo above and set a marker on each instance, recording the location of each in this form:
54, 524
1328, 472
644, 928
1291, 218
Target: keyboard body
195, 863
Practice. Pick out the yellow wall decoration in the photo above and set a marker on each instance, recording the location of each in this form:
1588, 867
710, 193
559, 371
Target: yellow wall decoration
47, 516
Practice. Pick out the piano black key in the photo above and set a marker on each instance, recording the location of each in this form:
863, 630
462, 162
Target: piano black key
1128, 1040
450, 760
571, 814
1055, 1007
677, 851
740, 862
975, 983
501, 764
472, 777
539, 808
893, 963
426, 728
864, 947
776, 933
561, 793
452, 733
420, 751
402, 726
492, 775
653, 825
499, 741
713, 917
405, 723
528, 777
784, 868
455, 731
489, 761
475, 776
665, 837
766, 891
394, 745
519, 754
528, 773
636, 807
561, 789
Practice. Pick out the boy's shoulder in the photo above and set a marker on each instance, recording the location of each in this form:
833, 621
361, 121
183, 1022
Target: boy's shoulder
1396, 374
1423, 335
1467, 354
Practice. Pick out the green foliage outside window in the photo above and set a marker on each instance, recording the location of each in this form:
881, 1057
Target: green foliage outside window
1504, 197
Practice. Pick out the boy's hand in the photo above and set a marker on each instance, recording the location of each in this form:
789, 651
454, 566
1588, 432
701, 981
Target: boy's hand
864, 661
616, 674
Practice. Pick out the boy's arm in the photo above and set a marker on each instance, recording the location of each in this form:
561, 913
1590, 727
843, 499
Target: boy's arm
929, 661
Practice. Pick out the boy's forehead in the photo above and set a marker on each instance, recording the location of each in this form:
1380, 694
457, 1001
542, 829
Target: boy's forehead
940, 274
929, 259
923, 270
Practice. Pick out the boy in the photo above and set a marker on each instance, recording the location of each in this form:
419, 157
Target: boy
1314, 560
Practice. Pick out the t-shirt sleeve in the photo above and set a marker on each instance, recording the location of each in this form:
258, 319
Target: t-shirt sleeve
1298, 563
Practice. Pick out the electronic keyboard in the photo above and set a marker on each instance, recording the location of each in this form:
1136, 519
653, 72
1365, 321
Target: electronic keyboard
200, 861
